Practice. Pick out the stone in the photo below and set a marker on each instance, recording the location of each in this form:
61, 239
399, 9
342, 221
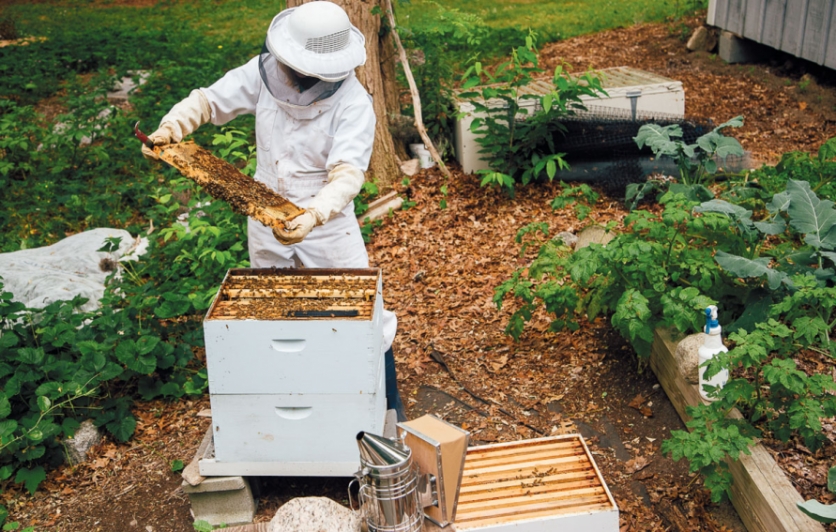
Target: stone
702, 40
314, 514
84, 438
594, 234
688, 357
123, 88
221, 500
568, 239
736, 49
411, 167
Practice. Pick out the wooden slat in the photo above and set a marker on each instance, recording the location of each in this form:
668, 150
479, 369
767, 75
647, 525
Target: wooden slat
487, 455
518, 446
480, 523
290, 293
532, 499
527, 457
516, 470
517, 513
475, 491
761, 493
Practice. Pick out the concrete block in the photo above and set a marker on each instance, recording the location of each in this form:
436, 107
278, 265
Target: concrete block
736, 49
218, 500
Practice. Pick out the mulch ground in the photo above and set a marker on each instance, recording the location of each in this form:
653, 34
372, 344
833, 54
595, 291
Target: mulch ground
440, 269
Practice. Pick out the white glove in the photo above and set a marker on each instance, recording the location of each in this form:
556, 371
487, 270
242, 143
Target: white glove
160, 137
181, 120
296, 229
344, 182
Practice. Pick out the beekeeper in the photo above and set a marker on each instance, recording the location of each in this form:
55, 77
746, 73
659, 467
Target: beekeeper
314, 132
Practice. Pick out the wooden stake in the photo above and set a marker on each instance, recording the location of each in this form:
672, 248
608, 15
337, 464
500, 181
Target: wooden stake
413, 89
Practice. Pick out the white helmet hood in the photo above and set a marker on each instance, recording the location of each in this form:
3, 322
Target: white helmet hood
317, 39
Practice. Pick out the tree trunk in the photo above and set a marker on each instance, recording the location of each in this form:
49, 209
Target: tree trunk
377, 76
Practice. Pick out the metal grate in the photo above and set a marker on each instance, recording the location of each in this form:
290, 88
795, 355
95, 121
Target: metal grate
329, 43
544, 478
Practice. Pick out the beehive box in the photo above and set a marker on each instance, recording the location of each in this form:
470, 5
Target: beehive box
295, 368
536, 485
628, 89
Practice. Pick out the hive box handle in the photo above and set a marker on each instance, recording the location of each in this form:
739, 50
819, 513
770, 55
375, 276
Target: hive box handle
294, 412
288, 346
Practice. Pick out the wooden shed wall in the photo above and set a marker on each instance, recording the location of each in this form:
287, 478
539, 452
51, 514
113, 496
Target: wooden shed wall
803, 28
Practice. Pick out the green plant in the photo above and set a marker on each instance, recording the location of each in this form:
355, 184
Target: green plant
521, 148
581, 196
823, 513
696, 162
651, 275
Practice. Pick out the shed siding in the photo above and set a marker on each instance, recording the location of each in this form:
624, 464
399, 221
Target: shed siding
803, 28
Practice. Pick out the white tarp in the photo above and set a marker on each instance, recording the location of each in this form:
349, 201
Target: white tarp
71, 267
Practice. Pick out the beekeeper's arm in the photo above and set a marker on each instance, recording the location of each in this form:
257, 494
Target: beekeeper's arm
346, 165
234, 94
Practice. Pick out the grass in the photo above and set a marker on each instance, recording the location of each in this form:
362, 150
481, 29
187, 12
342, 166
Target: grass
247, 20
552, 19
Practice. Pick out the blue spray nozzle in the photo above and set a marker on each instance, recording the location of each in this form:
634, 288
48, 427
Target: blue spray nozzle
711, 320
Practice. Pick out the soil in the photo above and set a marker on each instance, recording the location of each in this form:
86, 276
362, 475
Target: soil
440, 267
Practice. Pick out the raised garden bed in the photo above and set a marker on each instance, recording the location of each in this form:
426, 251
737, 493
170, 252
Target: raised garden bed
762, 494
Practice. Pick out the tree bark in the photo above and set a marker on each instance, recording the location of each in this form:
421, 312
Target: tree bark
377, 76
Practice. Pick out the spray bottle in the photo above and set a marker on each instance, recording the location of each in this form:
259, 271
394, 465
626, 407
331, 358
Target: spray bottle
712, 346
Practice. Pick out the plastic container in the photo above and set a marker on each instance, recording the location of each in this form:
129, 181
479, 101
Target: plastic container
425, 159
712, 346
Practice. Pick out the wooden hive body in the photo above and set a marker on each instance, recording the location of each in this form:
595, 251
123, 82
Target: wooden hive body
290, 383
535, 485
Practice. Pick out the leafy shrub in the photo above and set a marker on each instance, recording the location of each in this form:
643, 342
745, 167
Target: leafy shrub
521, 148
775, 278
696, 162
438, 48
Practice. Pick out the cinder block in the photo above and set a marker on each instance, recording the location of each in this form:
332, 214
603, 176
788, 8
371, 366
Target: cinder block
222, 500
736, 49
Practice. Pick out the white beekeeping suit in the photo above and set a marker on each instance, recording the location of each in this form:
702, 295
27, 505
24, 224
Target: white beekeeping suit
315, 128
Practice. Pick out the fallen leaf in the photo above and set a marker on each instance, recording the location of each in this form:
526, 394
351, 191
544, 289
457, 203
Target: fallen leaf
637, 402
802, 105
637, 464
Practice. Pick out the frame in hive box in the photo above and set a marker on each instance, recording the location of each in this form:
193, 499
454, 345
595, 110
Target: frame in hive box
535, 485
295, 367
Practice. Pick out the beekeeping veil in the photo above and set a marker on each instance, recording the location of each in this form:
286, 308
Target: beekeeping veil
313, 40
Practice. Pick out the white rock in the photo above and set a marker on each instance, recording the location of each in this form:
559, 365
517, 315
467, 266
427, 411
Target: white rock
314, 514
569, 239
688, 357
84, 438
411, 167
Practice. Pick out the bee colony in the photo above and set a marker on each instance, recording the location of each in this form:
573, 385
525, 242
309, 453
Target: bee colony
295, 366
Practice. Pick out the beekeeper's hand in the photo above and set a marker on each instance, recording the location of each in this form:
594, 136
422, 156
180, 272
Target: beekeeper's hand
182, 120
161, 137
296, 229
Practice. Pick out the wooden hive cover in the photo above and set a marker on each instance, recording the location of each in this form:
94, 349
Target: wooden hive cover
225, 182
438, 448
305, 294
531, 485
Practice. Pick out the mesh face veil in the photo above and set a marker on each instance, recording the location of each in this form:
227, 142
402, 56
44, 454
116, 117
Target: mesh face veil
285, 86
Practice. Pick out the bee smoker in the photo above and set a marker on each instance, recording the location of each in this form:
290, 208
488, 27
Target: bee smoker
389, 485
